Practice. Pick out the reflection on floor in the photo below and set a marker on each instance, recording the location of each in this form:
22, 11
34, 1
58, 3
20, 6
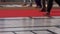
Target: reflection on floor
26, 25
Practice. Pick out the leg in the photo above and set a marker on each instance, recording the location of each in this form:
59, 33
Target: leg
43, 3
38, 3
30, 3
43, 6
49, 6
58, 2
24, 2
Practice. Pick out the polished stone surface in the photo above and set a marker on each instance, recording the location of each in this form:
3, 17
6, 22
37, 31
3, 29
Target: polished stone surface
26, 25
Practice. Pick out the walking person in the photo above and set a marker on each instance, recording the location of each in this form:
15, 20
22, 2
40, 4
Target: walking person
25, 3
41, 4
49, 6
38, 3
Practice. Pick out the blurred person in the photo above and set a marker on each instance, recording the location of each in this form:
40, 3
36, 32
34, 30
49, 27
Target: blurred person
38, 3
41, 4
25, 3
49, 6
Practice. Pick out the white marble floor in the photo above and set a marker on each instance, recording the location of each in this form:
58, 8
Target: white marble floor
26, 25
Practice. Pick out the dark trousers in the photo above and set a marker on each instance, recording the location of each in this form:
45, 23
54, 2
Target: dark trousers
43, 4
38, 3
58, 2
50, 3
